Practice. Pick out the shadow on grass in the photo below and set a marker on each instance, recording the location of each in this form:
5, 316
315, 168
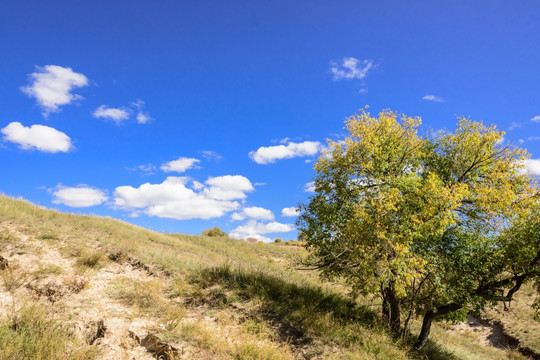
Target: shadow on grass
296, 311
432, 350
293, 309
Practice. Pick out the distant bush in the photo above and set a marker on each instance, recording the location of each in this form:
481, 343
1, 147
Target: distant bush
278, 240
215, 232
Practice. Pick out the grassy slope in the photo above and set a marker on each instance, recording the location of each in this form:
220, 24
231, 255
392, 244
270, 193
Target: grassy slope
519, 318
217, 298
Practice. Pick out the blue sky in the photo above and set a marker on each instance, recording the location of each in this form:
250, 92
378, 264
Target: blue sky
183, 115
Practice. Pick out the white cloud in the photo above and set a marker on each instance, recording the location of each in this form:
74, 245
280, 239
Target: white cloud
533, 138
521, 141
117, 115
142, 117
532, 166
228, 187
284, 140
51, 86
536, 118
147, 169
310, 187
179, 165
175, 200
211, 155
289, 211
514, 125
500, 142
431, 97
255, 229
253, 212
351, 68
266, 155
39, 137
80, 196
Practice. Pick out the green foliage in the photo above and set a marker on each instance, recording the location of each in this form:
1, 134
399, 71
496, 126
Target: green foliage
214, 232
455, 316
424, 221
278, 241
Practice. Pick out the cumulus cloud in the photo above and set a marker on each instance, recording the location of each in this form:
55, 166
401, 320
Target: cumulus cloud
289, 211
176, 199
310, 187
117, 115
255, 229
39, 137
532, 166
267, 155
536, 118
179, 165
51, 86
79, 196
228, 187
253, 212
351, 68
431, 97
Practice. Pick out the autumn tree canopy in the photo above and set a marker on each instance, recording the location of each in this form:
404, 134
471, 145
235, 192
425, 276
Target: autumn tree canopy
425, 221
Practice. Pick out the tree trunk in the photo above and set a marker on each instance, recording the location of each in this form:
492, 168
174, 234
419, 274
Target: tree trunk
426, 327
395, 311
385, 309
428, 319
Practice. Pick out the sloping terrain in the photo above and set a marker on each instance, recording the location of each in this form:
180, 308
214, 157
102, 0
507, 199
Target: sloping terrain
81, 287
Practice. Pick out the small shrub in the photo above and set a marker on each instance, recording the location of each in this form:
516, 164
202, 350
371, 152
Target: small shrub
278, 241
214, 232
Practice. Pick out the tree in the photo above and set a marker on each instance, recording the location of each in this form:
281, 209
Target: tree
214, 232
403, 216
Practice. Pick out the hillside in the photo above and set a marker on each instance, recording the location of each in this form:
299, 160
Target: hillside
81, 287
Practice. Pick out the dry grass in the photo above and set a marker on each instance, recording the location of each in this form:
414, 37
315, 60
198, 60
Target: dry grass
216, 298
31, 333
520, 320
13, 277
